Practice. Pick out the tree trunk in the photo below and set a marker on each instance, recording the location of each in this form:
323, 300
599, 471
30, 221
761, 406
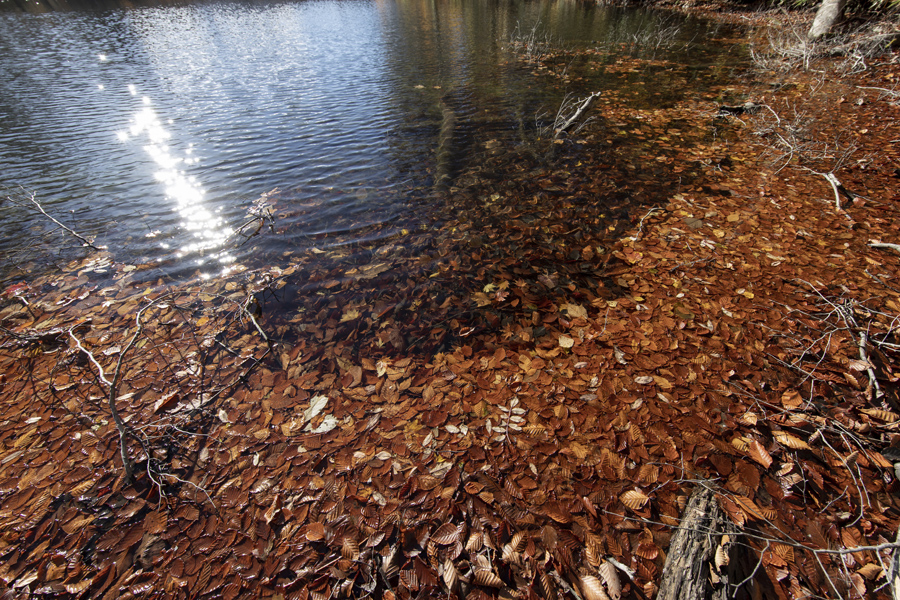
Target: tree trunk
828, 14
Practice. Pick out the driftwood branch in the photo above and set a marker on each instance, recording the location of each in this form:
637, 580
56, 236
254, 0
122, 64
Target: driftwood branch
113, 385
111, 399
836, 185
585, 104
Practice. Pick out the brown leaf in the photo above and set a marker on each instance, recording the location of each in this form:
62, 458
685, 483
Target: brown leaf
450, 575
446, 534
610, 577
634, 499
749, 507
871, 571
791, 399
881, 415
349, 548
758, 453
487, 578
592, 588
786, 439
315, 531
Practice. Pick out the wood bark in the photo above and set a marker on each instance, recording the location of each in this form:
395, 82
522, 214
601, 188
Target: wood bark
827, 16
692, 571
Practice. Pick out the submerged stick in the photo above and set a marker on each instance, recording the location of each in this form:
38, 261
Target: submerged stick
40, 208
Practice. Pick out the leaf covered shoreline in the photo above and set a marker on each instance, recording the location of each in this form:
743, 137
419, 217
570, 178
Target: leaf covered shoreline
517, 403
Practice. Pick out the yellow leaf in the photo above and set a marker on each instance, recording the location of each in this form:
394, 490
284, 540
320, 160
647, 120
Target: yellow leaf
349, 315
481, 299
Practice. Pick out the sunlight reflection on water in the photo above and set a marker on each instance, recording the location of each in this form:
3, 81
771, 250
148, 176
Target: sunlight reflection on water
208, 230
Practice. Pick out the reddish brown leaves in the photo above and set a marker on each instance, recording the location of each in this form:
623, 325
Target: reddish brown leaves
757, 452
446, 534
315, 532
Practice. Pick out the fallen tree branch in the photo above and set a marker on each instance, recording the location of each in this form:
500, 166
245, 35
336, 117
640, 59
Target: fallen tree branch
586, 104
111, 399
113, 385
835, 185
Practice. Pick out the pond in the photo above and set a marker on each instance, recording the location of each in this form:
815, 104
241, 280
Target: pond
154, 128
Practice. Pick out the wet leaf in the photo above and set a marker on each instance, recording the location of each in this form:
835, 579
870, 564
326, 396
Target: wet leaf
446, 534
758, 453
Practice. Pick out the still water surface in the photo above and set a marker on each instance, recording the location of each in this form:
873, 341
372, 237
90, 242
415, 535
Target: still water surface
156, 127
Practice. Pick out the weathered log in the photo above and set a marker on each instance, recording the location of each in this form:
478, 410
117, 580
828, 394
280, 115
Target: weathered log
703, 560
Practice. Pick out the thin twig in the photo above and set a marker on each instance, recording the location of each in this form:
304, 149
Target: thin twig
640, 230
40, 208
863, 340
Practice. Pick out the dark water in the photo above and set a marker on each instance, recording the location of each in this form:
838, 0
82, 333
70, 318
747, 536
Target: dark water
155, 127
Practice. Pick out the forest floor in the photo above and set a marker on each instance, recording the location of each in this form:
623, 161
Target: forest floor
515, 403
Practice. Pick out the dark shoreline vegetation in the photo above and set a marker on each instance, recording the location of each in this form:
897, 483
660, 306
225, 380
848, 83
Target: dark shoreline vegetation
654, 352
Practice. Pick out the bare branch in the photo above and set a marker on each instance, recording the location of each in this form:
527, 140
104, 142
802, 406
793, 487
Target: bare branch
876, 244
585, 104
